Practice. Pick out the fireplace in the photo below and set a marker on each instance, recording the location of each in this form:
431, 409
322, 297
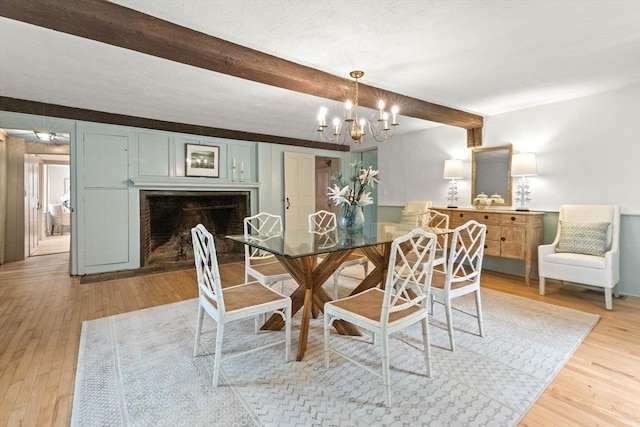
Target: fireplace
166, 219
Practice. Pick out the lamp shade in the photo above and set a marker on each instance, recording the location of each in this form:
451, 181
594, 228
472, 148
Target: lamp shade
453, 169
524, 164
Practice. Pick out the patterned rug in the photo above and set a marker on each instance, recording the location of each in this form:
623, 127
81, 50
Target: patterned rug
137, 369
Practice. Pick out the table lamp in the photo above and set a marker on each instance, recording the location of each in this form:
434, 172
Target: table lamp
453, 169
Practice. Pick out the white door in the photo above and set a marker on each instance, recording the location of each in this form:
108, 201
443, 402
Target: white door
34, 208
299, 189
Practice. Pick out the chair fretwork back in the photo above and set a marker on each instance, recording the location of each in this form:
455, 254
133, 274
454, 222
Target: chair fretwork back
262, 226
323, 225
409, 282
206, 263
322, 222
467, 250
436, 219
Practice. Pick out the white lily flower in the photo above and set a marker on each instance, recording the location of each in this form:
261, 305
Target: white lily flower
353, 190
339, 195
365, 199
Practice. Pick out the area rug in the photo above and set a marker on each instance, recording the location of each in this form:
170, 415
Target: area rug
137, 369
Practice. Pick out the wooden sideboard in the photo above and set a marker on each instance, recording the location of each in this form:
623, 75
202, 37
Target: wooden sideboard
510, 234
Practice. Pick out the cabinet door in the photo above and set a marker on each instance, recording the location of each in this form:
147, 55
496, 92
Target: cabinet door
513, 242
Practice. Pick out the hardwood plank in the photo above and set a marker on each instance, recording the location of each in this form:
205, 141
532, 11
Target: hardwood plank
599, 385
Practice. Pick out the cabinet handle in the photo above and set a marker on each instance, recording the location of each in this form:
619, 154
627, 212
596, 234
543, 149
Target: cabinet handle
486, 246
513, 218
288, 203
486, 217
503, 239
461, 215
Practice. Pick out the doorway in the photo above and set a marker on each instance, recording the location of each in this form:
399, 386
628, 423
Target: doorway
39, 163
55, 235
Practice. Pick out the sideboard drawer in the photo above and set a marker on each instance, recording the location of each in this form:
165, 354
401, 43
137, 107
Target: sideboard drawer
513, 219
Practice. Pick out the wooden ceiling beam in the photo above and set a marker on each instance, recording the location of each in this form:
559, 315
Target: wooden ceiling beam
61, 111
116, 25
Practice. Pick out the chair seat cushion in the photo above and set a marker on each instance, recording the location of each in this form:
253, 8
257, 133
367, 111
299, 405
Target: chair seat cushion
247, 295
588, 238
368, 304
575, 260
439, 278
269, 268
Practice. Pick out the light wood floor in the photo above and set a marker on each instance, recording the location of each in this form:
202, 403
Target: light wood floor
42, 309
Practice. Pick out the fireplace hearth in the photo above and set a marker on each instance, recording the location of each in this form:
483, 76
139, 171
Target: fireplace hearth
166, 219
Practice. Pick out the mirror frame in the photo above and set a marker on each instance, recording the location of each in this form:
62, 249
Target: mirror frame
509, 149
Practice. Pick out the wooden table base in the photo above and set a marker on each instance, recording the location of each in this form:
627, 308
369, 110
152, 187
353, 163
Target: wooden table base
311, 275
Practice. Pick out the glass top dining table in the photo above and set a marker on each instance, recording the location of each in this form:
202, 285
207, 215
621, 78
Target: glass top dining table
303, 243
298, 250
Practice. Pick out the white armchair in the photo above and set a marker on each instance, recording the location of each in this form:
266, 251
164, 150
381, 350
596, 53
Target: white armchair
60, 217
585, 250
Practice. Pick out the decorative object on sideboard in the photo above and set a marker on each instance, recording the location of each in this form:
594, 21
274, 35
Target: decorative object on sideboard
497, 199
482, 201
356, 126
453, 169
523, 165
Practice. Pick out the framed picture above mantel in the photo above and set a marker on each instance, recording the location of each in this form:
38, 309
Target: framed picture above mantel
202, 160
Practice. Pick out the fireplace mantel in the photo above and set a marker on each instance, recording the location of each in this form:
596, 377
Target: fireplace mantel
184, 182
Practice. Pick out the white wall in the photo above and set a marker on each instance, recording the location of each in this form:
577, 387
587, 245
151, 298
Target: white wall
587, 149
57, 175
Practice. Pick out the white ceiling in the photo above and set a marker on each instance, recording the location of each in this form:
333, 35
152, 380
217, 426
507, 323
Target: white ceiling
485, 57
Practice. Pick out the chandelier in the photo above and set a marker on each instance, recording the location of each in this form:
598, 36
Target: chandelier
356, 126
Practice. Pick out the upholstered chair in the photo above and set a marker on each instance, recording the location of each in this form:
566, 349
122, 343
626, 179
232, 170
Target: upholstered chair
585, 251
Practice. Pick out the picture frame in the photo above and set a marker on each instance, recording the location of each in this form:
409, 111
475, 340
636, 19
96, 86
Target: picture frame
202, 160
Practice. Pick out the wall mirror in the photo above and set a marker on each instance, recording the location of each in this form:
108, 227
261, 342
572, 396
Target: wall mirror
491, 172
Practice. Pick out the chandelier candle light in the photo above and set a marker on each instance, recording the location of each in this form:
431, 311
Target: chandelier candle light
356, 125
453, 169
523, 165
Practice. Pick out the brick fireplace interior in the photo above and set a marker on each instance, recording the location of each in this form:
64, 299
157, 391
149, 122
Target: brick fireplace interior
166, 219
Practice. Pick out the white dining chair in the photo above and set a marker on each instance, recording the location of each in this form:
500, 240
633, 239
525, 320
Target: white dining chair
402, 303
263, 266
324, 223
232, 303
461, 275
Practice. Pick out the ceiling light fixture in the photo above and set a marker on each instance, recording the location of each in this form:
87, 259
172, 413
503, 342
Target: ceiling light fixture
357, 126
45, 136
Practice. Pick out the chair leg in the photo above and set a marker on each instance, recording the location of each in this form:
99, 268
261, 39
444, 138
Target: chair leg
541, 285
218, 356
427, 346
327, 319
198, 330
447, 310
287, 328
616, 293
608, 302
479, 312
384, 341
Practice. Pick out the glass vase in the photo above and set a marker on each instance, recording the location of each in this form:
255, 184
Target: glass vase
351, 218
